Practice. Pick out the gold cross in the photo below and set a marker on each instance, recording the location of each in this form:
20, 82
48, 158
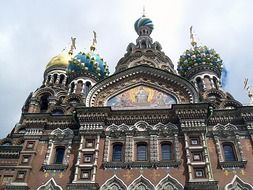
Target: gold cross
156, 175
128, 175
46, 174
226, 172
61, 175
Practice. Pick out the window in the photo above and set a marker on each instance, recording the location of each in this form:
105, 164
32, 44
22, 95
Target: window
25, 159
87, 158
85, 174
20, 175
197, 156
59, 155
30, 145
229, 153
89, 143
7, 179
142, 152
166, 151
199, 172
117, 152
195, 141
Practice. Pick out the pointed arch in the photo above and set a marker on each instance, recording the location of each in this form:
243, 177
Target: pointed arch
169, 183
50, 185
238, 184
141, 183
114, 183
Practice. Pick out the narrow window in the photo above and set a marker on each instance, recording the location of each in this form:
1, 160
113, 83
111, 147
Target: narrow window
166, 151
199, 84
44, 103
59, 155
142, 152
117, 152
61, 79
229, 154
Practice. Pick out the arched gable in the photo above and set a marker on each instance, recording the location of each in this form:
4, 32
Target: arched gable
50, 185
238, 184
141, 183
114, 183
169, 183
142, 76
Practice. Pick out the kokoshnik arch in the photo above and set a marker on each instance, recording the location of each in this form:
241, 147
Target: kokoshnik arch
145, 127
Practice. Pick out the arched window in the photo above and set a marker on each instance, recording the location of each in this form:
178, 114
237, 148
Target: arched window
229, 153
142, 152
59, 155
72, 87
44, 102
55, 78
87, 87
117, 152
48, 79
166, 149
199, 84
216, 83
61, 79
208, 82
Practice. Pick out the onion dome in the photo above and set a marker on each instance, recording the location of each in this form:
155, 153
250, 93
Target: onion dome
61, 60
142, 23
198, 59
88, 63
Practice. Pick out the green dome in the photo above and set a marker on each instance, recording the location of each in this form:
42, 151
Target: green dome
143, 22
199, 56
90, 63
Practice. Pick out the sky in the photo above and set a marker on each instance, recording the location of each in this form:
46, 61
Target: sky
32, 32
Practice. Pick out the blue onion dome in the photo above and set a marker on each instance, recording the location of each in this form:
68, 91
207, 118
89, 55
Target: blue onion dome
59, 61
143, 22
88, 64
197, 59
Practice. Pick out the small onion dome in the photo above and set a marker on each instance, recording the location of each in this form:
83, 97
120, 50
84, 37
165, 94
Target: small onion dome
143, 22
61, 60
198, 58
88, 63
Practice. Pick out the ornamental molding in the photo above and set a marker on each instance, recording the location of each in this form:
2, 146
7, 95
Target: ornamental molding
238, 184
225, 130
59, 135
164, 81
50, 185
42, 91
142, 126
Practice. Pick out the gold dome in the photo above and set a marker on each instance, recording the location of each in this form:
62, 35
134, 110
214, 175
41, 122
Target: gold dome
61, 60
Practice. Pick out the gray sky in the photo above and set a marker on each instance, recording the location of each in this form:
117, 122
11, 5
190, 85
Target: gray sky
33, 31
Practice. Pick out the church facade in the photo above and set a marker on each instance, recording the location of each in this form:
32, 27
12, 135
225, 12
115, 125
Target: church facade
145, 127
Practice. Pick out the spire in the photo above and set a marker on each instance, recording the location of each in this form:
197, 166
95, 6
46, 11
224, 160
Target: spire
94, 42
193, 42
143, 11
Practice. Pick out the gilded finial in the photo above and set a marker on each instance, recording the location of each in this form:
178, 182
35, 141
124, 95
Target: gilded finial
73, 45
249, 91
94, 42
193, 42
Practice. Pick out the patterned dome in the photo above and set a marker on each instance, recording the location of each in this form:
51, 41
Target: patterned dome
88, 62
61, 60
199, 56
143, 22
